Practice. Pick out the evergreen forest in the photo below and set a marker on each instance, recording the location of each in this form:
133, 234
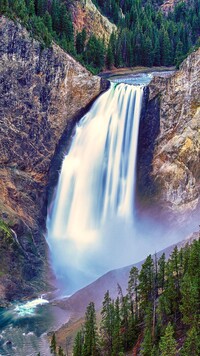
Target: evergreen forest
145, 36
159, 314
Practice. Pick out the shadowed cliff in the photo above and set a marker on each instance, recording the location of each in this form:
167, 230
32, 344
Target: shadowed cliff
43, 93
169, 144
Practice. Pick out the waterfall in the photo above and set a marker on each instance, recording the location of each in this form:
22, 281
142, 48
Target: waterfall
96, 186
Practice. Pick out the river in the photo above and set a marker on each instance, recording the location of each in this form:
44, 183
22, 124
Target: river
24, 327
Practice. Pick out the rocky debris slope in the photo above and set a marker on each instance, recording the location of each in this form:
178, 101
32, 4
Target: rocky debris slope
170, 141
86, 15
43, 92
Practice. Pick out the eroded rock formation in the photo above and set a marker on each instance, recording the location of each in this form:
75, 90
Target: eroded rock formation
171, 141
43, 91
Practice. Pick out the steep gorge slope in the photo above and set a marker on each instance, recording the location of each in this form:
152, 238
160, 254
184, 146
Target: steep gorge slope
86, 15
169, 144
43, 93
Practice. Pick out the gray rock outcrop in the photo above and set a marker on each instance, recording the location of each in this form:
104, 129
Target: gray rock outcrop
169, 162
43, 93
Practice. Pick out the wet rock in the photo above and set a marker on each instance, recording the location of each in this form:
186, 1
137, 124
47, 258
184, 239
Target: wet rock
9, 343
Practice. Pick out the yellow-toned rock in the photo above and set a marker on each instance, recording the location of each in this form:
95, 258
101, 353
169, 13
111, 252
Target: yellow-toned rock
85, 14
174, 104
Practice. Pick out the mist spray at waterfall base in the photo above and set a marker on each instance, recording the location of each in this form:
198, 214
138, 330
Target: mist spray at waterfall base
92, 222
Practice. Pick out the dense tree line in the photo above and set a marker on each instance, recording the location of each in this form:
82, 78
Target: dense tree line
148, 37
145, 36
162, 305
51, 20
46, 20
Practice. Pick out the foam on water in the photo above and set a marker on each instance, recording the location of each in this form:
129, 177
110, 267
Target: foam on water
29, 308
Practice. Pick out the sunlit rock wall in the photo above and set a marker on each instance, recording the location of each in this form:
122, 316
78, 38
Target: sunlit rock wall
172, 110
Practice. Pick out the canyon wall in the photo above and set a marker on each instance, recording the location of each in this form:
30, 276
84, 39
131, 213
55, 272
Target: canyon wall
169, 149
86, 15
43, 93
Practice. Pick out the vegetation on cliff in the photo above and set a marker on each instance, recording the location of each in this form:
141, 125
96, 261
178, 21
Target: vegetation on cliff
145, 35
17, 277
159, 315
48, 21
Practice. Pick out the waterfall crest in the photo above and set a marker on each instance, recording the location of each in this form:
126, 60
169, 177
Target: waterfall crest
97, 180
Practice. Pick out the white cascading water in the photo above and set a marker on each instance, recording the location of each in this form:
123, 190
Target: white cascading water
95, 192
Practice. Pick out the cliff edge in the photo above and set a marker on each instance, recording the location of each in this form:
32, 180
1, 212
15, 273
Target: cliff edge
170, 141
43, 92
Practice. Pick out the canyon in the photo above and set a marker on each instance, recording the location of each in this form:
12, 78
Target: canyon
44, 93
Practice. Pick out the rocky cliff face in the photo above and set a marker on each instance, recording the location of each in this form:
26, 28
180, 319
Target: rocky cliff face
43, 92
85, 14
170, 149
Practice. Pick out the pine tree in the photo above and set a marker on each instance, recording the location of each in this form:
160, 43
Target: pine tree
147, 344
40, 30
194, 260
161, 272
31, 7
190, 286
55, 15
190, 300
117, 336
53, 344
48, 21
78, 344
3, 6
60, 351
109, 58
133, 296
79, 44
146, 279
90, 346
107, 324
20, 9
94, 52
154, 351
125, 323
168, 343
80, 41
169, 301
65, 24
148, 54
166, 56
118, 53
41, 6
192, 343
